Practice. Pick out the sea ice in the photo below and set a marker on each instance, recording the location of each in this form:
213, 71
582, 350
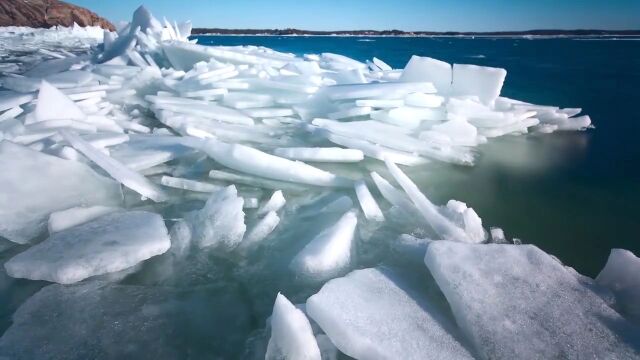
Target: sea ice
375, 314
220, 223
291, 334
110, 243
320, 154
275, 203
425, 69
31, 190
621, 275
515, 301
64, 219
329, 253
368, 204
481, 81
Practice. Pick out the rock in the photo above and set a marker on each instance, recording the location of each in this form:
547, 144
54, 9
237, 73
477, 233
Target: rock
48, 13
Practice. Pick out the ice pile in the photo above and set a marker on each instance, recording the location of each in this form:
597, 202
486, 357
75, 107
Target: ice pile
271, 169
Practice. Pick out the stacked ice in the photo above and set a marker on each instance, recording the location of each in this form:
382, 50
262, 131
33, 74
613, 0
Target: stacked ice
171, 165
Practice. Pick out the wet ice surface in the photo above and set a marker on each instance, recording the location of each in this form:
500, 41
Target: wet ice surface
176, 189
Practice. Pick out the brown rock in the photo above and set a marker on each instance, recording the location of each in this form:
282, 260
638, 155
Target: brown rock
47, 13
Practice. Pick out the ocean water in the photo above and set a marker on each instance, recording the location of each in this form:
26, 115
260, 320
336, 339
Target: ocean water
575, 195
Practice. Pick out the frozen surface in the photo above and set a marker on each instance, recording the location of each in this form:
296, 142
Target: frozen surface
291, 334
375, 314
30, 190
107, 244
620, 274
550, 312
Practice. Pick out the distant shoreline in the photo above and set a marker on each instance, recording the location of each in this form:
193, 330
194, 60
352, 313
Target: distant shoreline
400, 33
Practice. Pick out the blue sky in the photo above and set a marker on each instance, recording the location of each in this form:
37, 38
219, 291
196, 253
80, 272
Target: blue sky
456, 15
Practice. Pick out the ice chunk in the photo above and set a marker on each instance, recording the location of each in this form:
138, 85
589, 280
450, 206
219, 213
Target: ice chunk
62, 220
374, 314
621, 275
481, 81
368, 204
54, 105
10, 100
291, 334
187, 184
515, 301
440, 224
110, 243
30, 189
320, 154
426, 69
220, 223
118, 171
275, 203
260, 230
388, 90
329, 253
252, 161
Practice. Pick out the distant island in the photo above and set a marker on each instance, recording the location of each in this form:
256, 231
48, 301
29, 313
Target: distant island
289, 32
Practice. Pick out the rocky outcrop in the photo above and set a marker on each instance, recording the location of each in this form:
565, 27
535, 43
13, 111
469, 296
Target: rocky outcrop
47, 13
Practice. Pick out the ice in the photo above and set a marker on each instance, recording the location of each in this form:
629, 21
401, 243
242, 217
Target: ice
515, 301
110, 243
64, 219
320, 154
368, 204
440, 224
481, 81
620, 274
275, 203
375, 314
187, 184
263, 228
329, 253
291, 334
126, 176
10, 100
220, 223
54, 105
29, 191
425, 69
98, 320
252, 161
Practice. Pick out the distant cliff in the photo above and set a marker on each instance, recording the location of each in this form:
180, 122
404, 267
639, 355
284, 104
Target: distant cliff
47, 13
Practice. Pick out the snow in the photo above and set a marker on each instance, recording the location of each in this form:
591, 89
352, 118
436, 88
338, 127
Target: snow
375, 314
110, 243
530, 304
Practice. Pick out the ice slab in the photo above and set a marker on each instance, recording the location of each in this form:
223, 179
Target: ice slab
52, 104
621, 275
481, 81
253, 161
368, 204
320, 154
31, 190
64, 219
515, 301
375, 314
425, 69
110, 243
220, 223
329, 253
291, 334
275, 203
118, 171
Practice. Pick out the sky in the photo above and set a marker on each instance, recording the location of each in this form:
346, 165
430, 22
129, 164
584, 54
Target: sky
408, 15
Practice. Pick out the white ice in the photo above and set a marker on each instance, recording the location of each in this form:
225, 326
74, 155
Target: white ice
110, 243
515, 301
620, 274
291, 334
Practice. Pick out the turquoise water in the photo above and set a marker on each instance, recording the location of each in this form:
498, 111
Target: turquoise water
575, 195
